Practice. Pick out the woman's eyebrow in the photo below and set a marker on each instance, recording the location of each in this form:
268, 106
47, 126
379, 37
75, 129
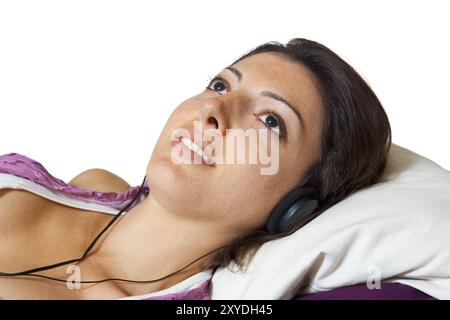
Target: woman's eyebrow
270, 94
236, 72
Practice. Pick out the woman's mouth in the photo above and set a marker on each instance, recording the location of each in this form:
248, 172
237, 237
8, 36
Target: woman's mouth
195, 151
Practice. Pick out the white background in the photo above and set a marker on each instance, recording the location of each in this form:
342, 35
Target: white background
90, 84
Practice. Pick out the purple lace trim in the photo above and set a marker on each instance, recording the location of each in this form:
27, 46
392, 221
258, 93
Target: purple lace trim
199, 293
22, 166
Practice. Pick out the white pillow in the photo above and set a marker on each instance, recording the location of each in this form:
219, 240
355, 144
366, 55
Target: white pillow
398, 230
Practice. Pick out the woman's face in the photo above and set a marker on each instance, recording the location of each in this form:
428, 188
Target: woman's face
233, 194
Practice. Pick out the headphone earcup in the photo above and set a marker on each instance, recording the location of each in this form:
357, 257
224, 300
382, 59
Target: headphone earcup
296, 213
294, 207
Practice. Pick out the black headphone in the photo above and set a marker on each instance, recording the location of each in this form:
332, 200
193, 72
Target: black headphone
296, 206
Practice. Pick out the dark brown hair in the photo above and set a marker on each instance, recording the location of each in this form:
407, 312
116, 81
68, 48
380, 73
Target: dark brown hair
356, 137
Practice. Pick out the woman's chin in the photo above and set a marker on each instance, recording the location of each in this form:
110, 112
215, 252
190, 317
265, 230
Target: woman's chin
164, 173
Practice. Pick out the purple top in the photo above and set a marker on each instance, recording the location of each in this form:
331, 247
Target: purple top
199, 293
22, 166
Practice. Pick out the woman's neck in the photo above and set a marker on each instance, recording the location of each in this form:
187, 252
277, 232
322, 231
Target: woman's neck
150, 242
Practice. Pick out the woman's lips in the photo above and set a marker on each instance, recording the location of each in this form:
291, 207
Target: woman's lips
196, 154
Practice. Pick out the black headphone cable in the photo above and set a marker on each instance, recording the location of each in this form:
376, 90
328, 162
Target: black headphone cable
31, 272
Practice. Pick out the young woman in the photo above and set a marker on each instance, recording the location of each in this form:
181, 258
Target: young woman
333, 135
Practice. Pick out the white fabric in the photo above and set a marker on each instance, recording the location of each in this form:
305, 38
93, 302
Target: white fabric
190, 283
11, 181
398, 230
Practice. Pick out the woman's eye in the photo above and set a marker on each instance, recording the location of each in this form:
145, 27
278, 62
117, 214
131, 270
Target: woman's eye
216, 84
271, 121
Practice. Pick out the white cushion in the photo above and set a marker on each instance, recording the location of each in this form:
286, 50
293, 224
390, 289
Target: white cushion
397, 230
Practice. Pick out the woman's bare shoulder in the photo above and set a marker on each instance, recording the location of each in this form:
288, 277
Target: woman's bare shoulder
100, 180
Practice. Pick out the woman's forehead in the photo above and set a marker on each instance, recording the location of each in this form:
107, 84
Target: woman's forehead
271, 71
270, 64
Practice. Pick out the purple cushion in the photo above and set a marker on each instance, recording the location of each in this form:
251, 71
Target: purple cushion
388, 291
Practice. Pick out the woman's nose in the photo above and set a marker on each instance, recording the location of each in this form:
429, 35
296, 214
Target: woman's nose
213, 116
